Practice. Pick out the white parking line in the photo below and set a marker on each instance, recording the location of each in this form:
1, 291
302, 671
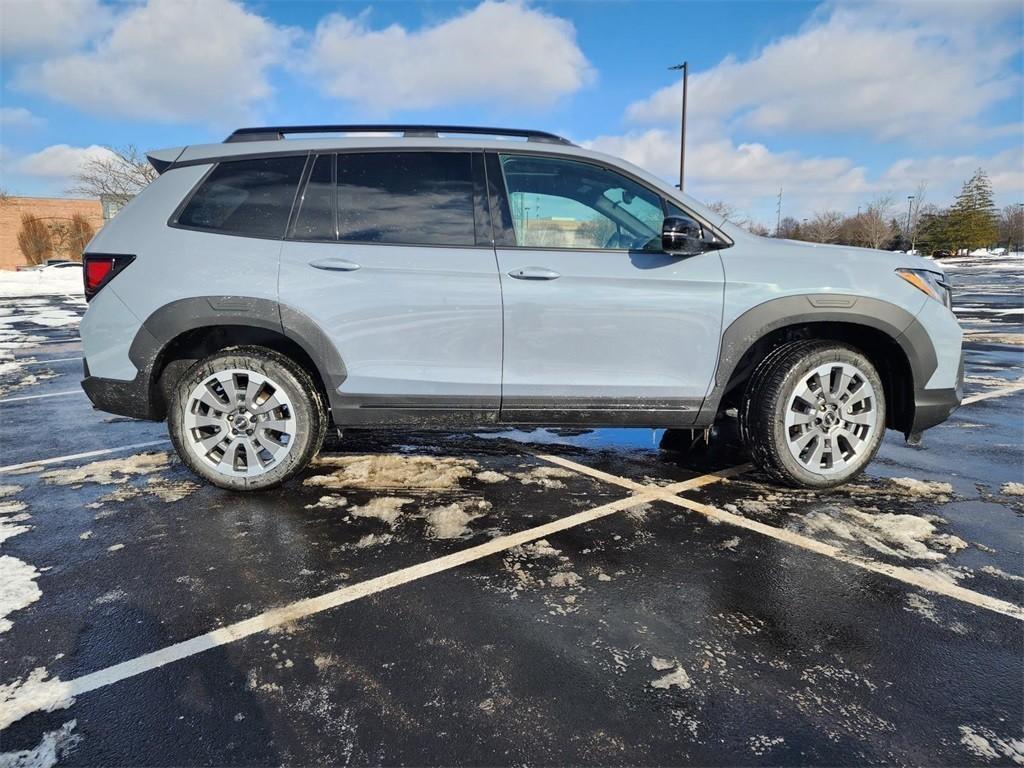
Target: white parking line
48, 394
44, 362
76, 456
59, 691
906, 575
993, 393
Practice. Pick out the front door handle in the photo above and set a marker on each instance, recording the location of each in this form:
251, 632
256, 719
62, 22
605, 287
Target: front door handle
335, 265
534, 273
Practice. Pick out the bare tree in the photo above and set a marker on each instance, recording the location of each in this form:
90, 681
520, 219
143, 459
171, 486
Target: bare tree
722, 208
80, 232
757, 228
1011, 227
34, 239
824, 227
874, 225
121, 174
914, 219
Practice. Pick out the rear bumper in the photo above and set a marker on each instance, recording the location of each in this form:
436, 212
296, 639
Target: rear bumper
119, 396
934, 406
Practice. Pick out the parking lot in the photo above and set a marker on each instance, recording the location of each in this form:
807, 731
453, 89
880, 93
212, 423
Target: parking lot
509, 597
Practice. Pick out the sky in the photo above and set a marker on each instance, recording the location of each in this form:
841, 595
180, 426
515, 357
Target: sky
836, 103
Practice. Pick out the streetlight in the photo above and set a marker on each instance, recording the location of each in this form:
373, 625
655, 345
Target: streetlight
682, 133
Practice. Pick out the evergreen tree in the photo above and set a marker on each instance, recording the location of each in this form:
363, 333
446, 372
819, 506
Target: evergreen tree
973, 222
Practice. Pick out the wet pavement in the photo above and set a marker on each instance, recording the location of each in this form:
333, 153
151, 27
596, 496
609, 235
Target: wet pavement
509, 597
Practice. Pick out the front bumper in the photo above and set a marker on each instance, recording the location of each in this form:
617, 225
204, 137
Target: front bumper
119, 396
934, 406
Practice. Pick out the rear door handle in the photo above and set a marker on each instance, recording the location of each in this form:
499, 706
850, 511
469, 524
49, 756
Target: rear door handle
335, 265
534, 273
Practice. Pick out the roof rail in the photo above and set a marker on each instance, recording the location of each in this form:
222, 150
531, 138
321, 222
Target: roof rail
278, 132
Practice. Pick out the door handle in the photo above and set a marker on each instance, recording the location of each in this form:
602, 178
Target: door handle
335, 265
534, 273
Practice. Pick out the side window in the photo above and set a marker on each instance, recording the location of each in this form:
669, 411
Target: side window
559, 203
316, 219
410, 198
246, 197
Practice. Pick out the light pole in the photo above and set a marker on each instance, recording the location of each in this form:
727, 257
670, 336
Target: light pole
910, 207
682, 133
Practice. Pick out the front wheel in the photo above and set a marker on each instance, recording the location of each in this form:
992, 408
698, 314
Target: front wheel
813, 414
246, 418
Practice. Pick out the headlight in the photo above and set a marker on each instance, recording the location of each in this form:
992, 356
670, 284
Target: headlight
932, 283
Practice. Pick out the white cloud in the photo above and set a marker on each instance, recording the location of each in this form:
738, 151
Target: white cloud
496, 53
33, 27
748, 175
18, 118
168, 60
880, 69
59, 161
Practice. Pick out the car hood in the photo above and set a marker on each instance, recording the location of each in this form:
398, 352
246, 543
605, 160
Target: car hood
867, 256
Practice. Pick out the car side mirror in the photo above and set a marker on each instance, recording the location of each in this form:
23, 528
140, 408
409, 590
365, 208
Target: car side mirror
682, 237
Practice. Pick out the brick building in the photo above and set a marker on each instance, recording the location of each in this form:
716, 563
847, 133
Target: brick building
49, 209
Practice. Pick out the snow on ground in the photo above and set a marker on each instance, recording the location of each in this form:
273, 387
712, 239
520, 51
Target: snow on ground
54, 746
18, 588
42, 282
35, 693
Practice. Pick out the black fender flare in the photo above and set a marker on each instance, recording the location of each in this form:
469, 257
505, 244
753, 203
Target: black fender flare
759, 321
178, 317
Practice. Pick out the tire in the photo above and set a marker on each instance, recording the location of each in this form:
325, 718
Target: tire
246, 418
813, 414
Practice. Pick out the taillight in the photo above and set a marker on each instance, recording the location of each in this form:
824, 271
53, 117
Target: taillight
100, 268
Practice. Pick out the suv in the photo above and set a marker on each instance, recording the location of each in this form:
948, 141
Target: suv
263, 289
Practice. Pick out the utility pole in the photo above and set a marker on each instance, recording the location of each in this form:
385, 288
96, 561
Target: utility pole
910, 207
778, 213
682, 133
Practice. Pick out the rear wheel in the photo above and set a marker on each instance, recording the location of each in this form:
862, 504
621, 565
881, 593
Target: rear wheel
813, 414
246, 418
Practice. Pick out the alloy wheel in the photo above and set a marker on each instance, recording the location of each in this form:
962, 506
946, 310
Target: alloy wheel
831, 418
240, 422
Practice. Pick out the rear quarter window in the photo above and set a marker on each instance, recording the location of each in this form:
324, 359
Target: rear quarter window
245, 197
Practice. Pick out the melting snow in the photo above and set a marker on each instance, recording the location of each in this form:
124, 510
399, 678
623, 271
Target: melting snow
52, 747
545, 477
902, 536
33, 694
677, 677
392, 471
490, 476
384, 508
926, 488
109, 471
17, 588
984, 743
1012, 489
452, 521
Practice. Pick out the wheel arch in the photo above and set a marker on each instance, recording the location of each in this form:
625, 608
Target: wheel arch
179, 333
888, 335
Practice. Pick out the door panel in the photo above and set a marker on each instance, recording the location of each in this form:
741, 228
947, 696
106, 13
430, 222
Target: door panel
409, 322
598, 333
417, 325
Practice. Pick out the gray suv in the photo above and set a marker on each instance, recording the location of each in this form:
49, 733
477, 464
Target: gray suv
262, 289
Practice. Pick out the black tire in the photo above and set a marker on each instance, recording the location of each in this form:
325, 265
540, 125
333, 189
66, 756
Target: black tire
307, 408
762, 412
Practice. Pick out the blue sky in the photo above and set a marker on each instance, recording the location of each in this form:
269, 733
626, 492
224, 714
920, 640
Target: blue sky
836, 102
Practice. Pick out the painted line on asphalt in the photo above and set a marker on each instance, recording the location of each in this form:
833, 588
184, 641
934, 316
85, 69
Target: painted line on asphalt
38, 397
66, 340
909, 576
45, 362
76, 456
55, 692
993, 393
906, 575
